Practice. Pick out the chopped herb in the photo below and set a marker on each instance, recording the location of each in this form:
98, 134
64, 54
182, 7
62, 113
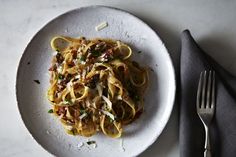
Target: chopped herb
57, 50
59, 58
135, 64
82, 111
139, 51
136, 98
95, 53
69, 76
129, 84
50, 111
117, 58
82, 58
28, 63
111, 120
91, 142
68, 101
37, 81
60, 76
105, 91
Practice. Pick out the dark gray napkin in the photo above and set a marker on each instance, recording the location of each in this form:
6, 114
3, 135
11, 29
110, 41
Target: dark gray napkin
223, 129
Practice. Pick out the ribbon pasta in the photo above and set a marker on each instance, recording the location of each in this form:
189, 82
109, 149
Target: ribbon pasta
94, 86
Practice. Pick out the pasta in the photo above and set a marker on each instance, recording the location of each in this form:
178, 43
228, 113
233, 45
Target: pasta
94, 86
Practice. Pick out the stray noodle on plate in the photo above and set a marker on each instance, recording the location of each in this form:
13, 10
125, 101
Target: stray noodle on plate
94, 86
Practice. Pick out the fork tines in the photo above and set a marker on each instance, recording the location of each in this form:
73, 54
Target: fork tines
206, 90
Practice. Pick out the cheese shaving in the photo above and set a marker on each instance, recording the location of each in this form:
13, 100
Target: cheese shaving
77, 76
80, 145
109, 103
59, 69
54, 53
108, 114
88, 103
82, 116
122, 145
68, 115
69, 85
119, 97
84, 74
101, 26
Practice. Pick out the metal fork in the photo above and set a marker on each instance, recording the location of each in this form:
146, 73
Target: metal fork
206, 104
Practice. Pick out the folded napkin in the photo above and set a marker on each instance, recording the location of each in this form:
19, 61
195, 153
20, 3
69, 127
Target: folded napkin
223, 128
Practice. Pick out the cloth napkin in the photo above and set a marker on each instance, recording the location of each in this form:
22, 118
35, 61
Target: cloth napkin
193, 60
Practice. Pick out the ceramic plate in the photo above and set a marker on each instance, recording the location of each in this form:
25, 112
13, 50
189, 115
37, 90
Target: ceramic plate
35, 62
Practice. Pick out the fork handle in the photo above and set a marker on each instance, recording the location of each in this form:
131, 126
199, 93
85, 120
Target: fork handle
207, 152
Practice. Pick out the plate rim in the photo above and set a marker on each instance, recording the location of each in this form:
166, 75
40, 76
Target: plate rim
89, 7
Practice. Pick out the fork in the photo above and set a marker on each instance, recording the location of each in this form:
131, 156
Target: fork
206, 104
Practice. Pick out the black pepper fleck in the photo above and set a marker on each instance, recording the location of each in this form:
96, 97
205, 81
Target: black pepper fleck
151, 69
91, 142
28, 63
37, 81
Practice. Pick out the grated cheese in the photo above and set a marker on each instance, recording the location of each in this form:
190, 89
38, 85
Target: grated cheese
101, 26
69, 85
109, 103
88, 103
119, 97
80, 145
122, 145
59, 69
54, 53
109, 114
95, 145
82, 116
83, 62
83, 74
77, 76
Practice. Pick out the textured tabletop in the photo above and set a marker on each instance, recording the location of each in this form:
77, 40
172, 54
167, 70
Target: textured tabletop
212, 23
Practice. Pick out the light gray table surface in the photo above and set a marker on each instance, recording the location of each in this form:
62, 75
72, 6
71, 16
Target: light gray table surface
212, 23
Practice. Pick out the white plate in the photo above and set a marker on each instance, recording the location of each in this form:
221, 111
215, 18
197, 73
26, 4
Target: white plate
31, 97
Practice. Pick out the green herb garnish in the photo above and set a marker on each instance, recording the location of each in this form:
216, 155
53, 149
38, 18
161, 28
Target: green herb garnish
91, 142
82, 111
50, 111
96, 53
136, 98
68, 101
60, 76
111, 120
82, 58
129, 85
